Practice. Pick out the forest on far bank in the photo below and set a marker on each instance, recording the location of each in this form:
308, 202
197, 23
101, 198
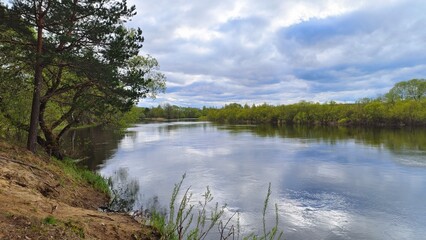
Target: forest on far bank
403, 105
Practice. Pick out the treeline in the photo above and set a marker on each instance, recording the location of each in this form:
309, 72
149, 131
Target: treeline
404, 104
368, 113
168, 111
164, 111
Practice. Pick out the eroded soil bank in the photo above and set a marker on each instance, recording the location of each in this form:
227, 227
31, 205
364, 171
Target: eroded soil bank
38, 200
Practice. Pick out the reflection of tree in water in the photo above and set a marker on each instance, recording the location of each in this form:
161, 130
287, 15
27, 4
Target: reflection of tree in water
180, 125
124, 191
126, 195
98, 144
94, 144
406, 141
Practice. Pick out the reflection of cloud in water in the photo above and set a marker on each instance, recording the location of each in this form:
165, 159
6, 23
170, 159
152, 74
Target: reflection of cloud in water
326, 172
205, 152
307, 215
130, 142
326, 216
306, 210
343, 190
301, 215
413, 159
145, 138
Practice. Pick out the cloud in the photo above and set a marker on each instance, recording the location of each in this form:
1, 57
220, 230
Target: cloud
365, 37
281, 52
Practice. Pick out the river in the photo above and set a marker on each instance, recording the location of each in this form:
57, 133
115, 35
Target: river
328, 183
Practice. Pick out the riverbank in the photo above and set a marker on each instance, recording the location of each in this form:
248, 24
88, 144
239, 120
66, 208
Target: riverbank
40, 199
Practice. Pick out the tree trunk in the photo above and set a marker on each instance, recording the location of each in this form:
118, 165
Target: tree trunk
51, 148
51, 142
35, 108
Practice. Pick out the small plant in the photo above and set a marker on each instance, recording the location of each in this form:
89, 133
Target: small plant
272, 233
9, 215
50, 220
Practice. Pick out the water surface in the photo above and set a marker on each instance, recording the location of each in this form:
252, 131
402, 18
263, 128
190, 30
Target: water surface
328, 183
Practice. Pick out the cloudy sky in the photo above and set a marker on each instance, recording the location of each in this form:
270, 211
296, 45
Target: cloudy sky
282, 51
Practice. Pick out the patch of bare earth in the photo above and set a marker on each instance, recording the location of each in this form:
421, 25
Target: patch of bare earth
39, 201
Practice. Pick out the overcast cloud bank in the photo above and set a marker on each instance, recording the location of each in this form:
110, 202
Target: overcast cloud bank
278, 52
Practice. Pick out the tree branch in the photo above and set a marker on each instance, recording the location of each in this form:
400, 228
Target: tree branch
70, 111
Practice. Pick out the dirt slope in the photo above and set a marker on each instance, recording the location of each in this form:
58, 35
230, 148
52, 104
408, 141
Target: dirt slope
39, 201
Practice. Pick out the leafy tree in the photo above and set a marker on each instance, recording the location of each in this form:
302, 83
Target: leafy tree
168, 111
13, 73
414, 89
84, 62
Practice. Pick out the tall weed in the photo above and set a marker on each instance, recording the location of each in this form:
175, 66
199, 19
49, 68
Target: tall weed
183, 222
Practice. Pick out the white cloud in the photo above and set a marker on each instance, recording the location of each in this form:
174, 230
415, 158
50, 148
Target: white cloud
190, 33
285, 50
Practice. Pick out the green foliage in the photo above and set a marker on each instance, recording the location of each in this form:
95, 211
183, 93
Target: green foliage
124, 119
403, 105
414, 89
158, 221
84, 175
88, 65
14, 96
168, 111
50, 220
369, 112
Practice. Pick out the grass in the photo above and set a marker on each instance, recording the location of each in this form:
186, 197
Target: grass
75, 228
9, 215
182, 223
70, 225
83, 174
50, 220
